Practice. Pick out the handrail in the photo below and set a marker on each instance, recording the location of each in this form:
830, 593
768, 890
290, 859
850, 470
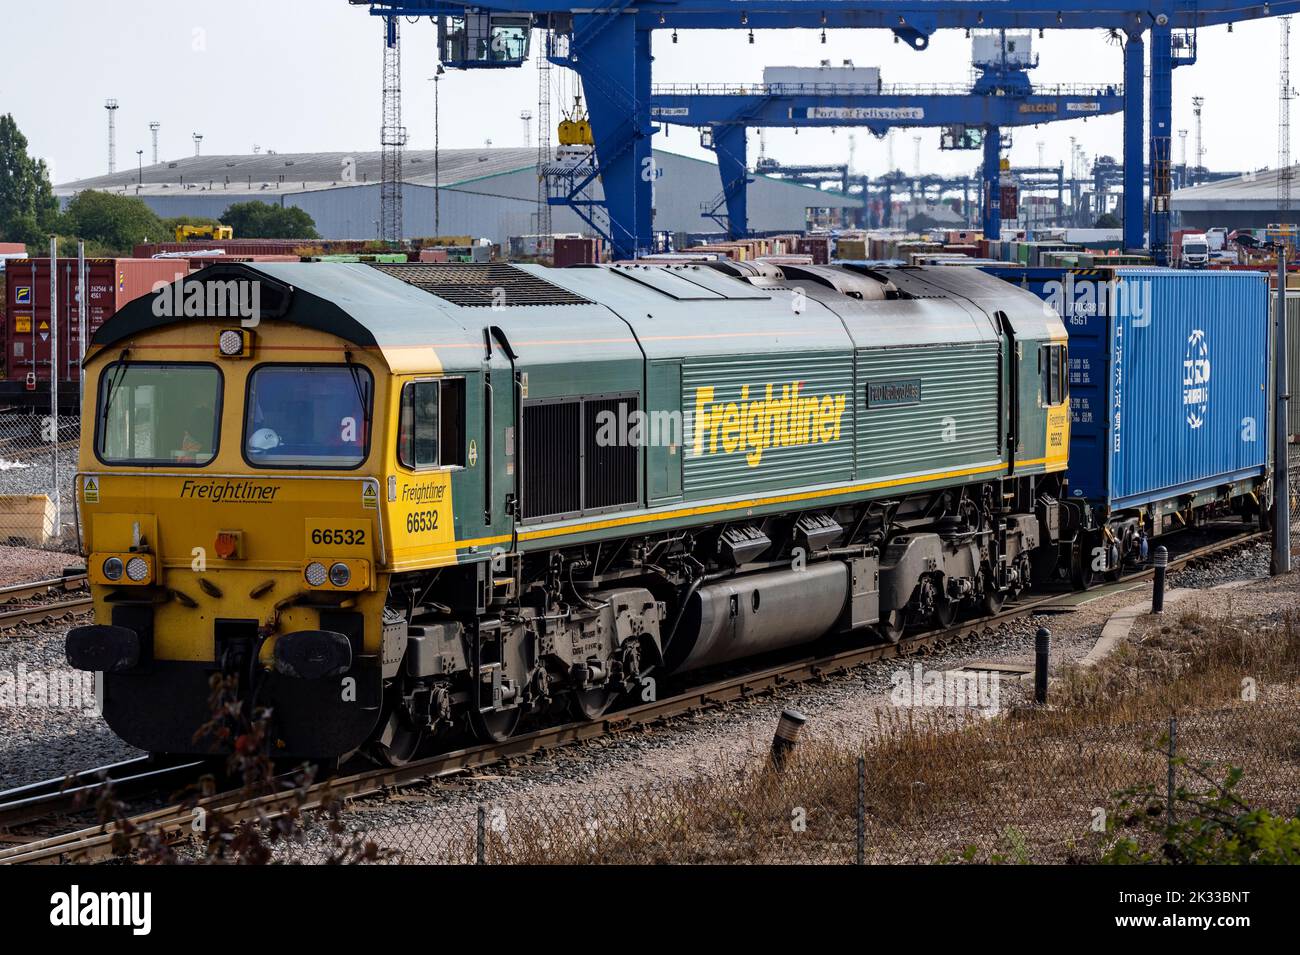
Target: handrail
864, 89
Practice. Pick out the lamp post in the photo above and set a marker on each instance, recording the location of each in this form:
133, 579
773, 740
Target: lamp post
437, 178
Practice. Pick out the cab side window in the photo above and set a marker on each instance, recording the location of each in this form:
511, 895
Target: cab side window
431, 424
1051, 361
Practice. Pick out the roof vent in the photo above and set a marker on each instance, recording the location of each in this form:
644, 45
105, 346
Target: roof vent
481, 284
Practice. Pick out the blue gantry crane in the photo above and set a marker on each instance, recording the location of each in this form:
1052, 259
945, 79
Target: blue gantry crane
609, 47
1001, 97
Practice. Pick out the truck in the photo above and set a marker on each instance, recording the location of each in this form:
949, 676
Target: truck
1191, 250
187, 233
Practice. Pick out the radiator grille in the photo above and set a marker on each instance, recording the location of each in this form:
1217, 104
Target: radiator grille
609, 470
568, 466
552, 459
491, 283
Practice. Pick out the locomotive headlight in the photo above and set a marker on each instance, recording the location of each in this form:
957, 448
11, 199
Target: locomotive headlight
340, 574
113, 568
315, 573
234, 343
137, 569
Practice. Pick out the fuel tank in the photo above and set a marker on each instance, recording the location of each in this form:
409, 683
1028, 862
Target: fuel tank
758, 613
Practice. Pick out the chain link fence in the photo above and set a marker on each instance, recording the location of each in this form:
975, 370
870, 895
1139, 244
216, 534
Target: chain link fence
999, 791
1293, 479
38, 464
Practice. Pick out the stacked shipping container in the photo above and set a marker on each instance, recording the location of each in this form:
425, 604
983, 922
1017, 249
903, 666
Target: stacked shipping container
28, 328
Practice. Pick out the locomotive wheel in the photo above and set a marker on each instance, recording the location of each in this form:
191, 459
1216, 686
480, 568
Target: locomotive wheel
993, 601
892, 625
495, 727
403, 742
1122, 546
1081, 564
945, 612
592, 704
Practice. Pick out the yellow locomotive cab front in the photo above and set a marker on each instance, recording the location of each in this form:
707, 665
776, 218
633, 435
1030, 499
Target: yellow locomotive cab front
229, 501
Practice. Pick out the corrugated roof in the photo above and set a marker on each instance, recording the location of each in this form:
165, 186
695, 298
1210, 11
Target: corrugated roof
1254, 190
257, 174
255, 171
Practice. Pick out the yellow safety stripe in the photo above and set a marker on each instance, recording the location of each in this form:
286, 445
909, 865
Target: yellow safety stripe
544, 532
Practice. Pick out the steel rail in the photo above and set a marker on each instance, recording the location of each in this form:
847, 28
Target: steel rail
36, 588
43, 613
75, 791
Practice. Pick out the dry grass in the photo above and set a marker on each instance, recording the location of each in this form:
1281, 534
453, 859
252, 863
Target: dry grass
1027, 785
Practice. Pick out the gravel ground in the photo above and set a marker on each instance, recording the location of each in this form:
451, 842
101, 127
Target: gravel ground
48, 725
18, 565
1242, 564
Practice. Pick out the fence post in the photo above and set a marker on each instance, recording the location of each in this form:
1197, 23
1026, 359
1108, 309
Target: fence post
54, 382
788, 728
862, 810
1169, 785
1158, 586
1281, 556
480, 842
1042, 651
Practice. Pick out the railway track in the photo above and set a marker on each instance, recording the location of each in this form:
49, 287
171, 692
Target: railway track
42, 612
66, 794
73, 580
97, 843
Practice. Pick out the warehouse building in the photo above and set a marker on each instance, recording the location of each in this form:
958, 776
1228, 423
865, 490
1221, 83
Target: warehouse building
1248, 201
488, 193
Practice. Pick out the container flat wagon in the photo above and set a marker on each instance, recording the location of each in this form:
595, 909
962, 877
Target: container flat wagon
1170, 398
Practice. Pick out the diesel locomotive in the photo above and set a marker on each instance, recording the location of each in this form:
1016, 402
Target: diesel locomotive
404, 499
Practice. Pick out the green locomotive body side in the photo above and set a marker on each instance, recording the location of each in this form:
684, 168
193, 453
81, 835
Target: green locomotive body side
757, 401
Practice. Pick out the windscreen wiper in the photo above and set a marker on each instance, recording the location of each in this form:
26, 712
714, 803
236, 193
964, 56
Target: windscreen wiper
110, 389
354, 370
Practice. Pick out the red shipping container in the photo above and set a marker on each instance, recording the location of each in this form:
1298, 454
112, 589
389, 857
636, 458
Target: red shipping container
819, 247
110, 284
576, 252
433, 255
1010, 202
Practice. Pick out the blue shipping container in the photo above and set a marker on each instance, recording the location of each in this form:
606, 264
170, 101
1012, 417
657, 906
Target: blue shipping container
1168, 378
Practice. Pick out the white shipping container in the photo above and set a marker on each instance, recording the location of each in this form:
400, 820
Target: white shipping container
1084, 236
987, 48
862, 76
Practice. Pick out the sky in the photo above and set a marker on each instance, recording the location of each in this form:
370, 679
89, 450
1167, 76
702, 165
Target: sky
304, 75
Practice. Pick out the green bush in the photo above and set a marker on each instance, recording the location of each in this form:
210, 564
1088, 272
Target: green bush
261, 220
112, 224
1213, 826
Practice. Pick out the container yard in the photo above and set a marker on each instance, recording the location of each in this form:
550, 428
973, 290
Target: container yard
685, 435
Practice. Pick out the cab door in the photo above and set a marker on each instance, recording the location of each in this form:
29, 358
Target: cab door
1014, 399
497, 453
